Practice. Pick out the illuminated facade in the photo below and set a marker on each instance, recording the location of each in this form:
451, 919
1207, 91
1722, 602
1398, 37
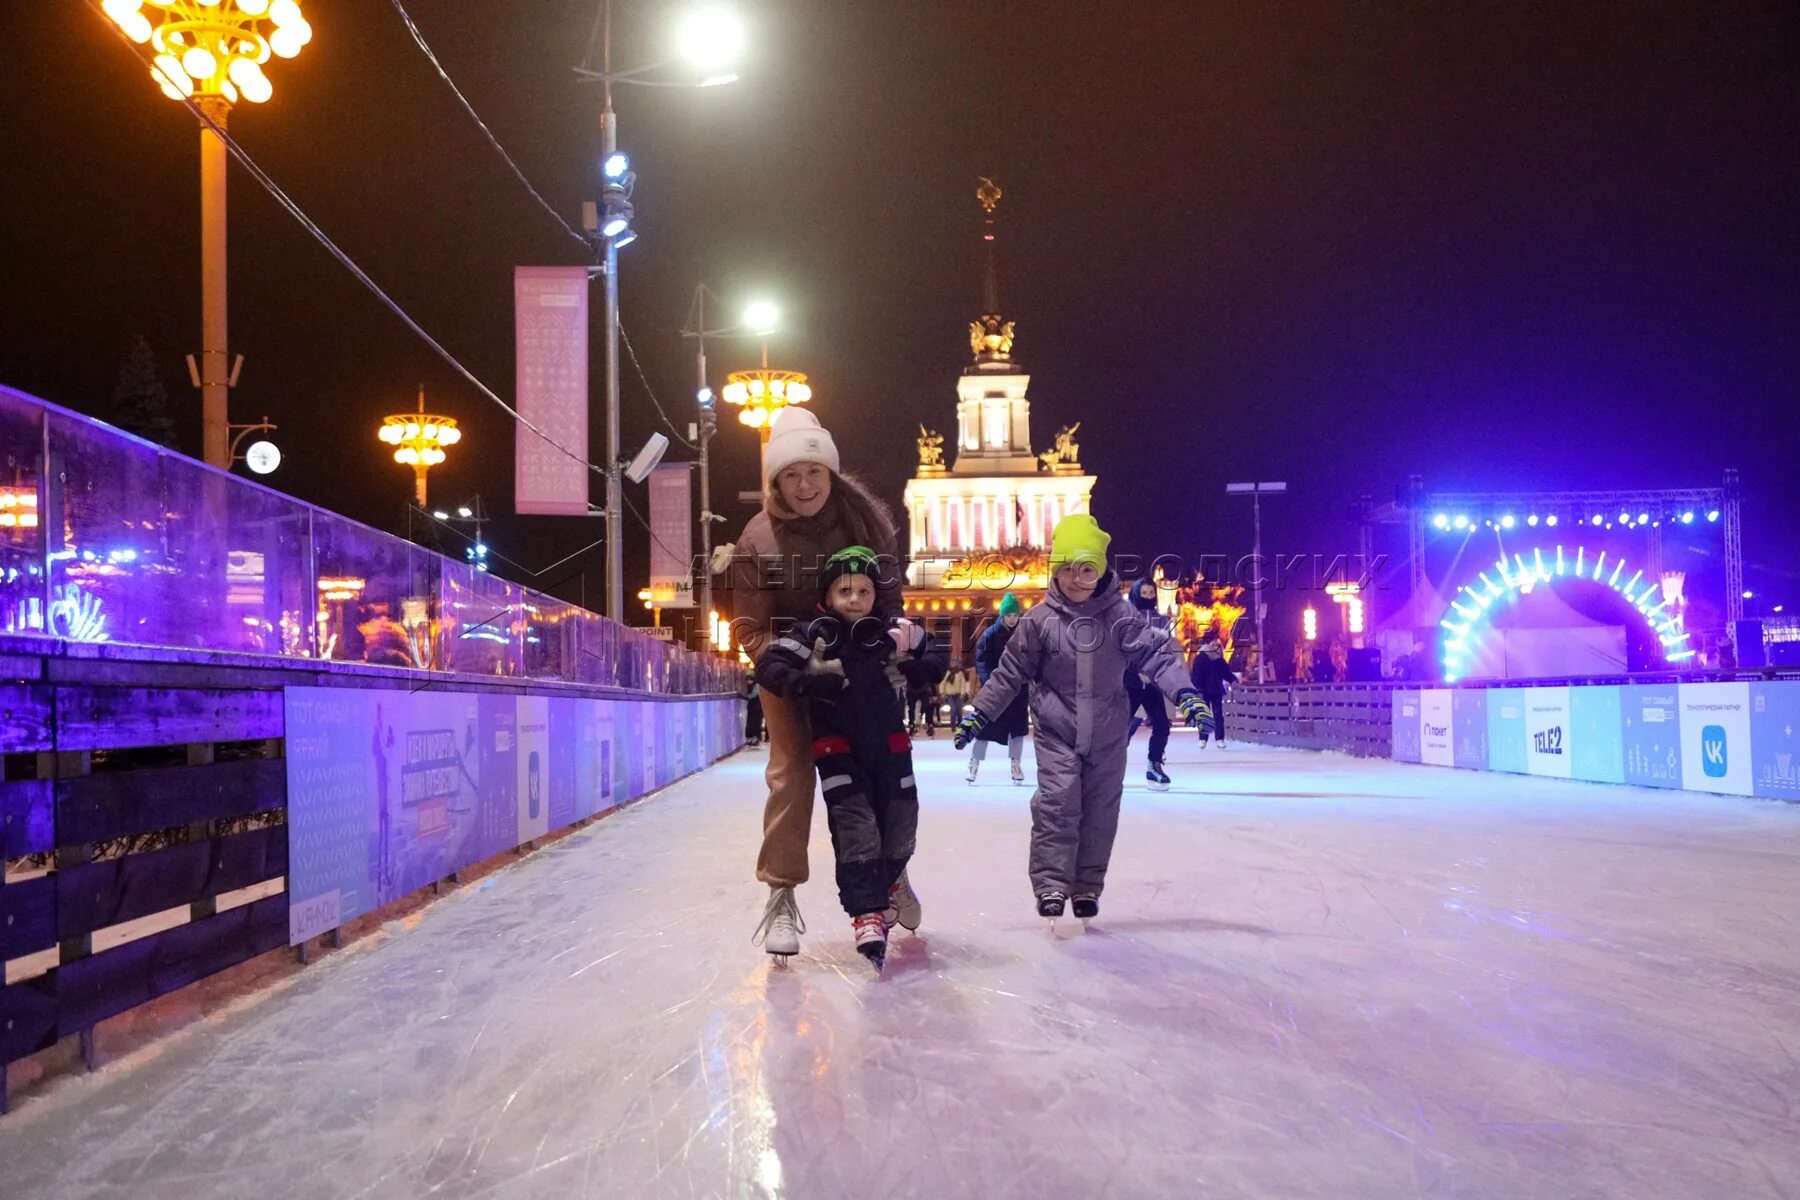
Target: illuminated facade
980, 525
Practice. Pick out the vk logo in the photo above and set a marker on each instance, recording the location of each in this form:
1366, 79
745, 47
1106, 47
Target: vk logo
1712, 751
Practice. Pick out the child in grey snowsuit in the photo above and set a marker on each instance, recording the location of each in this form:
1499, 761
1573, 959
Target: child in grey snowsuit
852, 665
1073, 650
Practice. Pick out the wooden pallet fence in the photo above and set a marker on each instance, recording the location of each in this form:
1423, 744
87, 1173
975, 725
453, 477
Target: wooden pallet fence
1352, 718
145, 847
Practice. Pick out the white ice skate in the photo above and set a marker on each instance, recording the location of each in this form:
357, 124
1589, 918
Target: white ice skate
903, 907
1018, 772
974, 766
779, 933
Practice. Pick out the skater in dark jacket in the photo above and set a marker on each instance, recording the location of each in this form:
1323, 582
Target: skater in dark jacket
1209, 675
1010, 727
852, 665
1144, 696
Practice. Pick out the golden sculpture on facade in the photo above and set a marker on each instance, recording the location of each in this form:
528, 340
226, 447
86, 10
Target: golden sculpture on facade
1066, 452
991, 336
931, 449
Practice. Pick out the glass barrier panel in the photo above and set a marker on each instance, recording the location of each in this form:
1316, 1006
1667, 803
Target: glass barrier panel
375, 596
23, 595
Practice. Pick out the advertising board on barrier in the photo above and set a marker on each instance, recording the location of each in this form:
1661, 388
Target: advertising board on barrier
1469, 738
1547, 732
391, 790
1406, 726
1436, 728
1775, 739
1506, 730
1596, 752
1651, 736
1715, 737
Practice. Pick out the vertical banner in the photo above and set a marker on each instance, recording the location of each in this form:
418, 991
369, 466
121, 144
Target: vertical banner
672, 535
550, 331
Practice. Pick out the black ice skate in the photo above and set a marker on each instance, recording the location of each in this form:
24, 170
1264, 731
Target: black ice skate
1086, 908
1050, 904
1157, 778
871, 938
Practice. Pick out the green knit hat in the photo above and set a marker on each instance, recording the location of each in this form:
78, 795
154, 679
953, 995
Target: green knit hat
851, 560
1079, 539
1009, 603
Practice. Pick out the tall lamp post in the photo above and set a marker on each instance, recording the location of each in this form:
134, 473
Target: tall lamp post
708, 37
213, 51
1256, 491
759, 320
419, 439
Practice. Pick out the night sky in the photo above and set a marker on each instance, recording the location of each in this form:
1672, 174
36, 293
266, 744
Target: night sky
1544, 246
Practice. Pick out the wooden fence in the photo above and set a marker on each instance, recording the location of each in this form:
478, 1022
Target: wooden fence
1351, 717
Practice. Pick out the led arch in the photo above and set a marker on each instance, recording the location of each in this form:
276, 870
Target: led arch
1473, 606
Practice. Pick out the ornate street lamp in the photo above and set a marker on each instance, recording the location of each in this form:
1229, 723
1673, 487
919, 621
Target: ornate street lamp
419, 439
213, 52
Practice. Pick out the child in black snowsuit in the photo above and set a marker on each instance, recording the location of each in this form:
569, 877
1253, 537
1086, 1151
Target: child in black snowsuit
853, 666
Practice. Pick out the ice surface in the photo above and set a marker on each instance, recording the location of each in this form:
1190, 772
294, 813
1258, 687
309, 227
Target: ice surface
1312, 977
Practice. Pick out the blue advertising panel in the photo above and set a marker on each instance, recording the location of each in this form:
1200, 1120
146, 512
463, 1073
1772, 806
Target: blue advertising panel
1650, 733
1715, 737
1407, 746
390, 790
1468, 711
1596, 744
1775, 738
1506, 730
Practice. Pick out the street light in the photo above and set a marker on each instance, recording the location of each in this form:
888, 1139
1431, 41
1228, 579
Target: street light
1256, 491
760, 319
707, 37
472, 513
419, 439
212, 52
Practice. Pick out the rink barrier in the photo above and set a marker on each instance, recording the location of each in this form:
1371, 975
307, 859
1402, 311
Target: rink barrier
1723, 733
145, 818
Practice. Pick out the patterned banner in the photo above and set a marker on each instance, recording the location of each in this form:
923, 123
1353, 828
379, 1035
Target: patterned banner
671, 536
550, 328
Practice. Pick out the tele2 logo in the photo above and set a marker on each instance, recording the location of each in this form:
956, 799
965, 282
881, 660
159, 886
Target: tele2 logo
1548, 741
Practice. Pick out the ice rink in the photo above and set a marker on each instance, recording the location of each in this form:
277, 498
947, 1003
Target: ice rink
1312, 977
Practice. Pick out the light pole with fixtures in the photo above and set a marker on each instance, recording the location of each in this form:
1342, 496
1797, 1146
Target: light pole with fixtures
472, 513
212, 52
1256, 491
759, 321
708, 37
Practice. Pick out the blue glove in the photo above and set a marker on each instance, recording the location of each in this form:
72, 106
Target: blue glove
971, 725
1194, 710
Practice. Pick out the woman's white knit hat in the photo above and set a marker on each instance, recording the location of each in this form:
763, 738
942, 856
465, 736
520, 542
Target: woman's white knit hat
797, 437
